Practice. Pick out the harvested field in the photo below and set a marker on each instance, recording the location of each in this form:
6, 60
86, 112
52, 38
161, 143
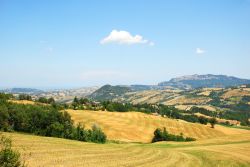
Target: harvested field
180, 100
46, 151
236, 93
139, 127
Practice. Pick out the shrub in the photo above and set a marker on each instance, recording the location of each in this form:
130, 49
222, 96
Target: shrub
158, 136
163, 135
97, 135
212, 121
190, 139
8, 156
24, 97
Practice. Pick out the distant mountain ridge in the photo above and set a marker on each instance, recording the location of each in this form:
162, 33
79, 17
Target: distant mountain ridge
108, 92
209, 80
22, 90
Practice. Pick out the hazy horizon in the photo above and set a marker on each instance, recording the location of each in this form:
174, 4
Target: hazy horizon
63, 44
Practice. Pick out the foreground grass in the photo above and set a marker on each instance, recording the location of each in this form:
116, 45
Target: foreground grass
231, 150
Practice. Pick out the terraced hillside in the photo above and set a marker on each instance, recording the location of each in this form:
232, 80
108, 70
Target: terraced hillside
198, 97
45, 151
139, 127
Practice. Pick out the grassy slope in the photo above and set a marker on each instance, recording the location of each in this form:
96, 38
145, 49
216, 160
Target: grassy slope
139, 127
45, 151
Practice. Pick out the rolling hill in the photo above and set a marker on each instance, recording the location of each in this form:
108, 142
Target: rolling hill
229, 150
139, 127
129, 135
108, 92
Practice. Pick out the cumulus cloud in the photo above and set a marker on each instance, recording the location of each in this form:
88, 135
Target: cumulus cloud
200, 51
124, 37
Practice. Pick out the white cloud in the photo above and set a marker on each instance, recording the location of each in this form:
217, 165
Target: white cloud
124, 37
200, 51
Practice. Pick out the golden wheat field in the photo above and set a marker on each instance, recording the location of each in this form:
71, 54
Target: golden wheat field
221, 146
139, 127
22, 102
38, 151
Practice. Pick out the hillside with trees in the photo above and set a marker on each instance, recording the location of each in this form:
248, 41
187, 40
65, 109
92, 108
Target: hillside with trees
44, 120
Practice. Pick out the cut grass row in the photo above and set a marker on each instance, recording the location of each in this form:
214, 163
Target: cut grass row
139, 127
47, 151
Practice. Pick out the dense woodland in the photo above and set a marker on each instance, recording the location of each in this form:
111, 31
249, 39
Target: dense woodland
44, 120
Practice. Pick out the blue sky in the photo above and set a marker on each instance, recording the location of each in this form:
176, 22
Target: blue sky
49, 44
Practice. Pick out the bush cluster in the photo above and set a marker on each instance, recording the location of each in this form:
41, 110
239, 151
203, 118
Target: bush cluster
163, 135
24, 97
45, 100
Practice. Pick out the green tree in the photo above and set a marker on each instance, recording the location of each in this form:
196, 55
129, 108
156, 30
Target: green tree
212, 122
83, 101
4, 118
157, 135
75, 103
76, 100
97, 135
51, 100
56, 130
165, 134
8, 156
42, 100
24, 97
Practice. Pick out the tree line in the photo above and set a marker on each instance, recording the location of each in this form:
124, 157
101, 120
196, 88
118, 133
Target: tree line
238, 112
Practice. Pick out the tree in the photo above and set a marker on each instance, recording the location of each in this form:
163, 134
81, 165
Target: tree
157, 135
212, 121
56, 130
83, 101
4, 118
42, 100
97, 135
24, 97
76, 100
51, 100
165, 134
80, 133
75, 103
8, 156
203, 120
